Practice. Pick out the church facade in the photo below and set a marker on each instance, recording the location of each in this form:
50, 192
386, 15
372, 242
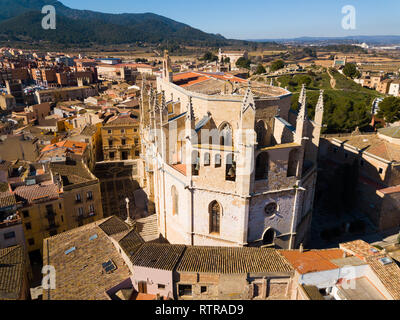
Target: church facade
227, 162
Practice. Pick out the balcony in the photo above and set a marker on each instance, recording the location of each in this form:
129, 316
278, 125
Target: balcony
10, 222
85, 216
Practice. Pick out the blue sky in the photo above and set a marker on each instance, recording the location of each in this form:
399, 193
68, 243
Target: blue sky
258, 19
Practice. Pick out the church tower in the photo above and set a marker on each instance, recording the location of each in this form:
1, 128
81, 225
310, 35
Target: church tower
167, 67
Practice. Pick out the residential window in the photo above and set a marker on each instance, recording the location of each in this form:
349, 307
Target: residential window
9, 235
25, 214
122, 130
203, 289
90, 195
31, 242
136, 141
80, 211
91, 209
60, 206
185, 289
380, 170
123, 142
28, 226
137, 153
109, 131
78, 197
161, 286
112, 155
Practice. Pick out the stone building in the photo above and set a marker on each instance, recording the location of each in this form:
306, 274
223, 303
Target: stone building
120, 137
227, 163
377, 159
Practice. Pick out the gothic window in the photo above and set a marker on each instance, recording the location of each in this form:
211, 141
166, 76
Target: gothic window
269, 237
175, 201
217, 160
196, 163
225, 135
292, 163
215, 216
262, 166
271, 209
261, 133
230, 170
206, 159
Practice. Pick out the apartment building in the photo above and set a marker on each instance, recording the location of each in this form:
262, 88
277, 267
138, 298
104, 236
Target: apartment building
120, 137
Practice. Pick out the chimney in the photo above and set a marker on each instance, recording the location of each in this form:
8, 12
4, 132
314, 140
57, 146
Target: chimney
301, 248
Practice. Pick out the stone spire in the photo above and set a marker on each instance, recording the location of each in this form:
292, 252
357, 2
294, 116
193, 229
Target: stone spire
248, 100
190, 112
302, 115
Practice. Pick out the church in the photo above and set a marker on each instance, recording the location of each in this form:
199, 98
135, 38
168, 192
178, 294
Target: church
227, 162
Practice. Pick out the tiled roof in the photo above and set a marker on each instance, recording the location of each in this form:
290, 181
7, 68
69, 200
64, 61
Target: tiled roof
181, 168
374, 145
67, 145
232, 260
131, 243
312, 292
113, 225
388, 274
158, 256
148, 228
12, 269
80, 275
7, 199
122, 119
37, 192
360, 249
72, 172
312, 261
393, 132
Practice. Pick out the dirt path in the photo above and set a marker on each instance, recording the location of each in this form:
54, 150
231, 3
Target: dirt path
333, 80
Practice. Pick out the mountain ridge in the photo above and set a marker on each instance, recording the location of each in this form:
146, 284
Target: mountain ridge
21, 20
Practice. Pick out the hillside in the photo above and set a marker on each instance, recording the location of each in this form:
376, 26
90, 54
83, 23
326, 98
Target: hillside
20, 20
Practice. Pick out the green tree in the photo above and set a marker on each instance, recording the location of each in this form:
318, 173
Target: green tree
260, 69
243, 63
209, 57
278, 64
351, 71
389, 109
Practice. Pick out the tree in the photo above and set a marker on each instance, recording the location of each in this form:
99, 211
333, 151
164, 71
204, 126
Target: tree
209, 57
260, 69
389, 109
278, 64
351, 71
243, 63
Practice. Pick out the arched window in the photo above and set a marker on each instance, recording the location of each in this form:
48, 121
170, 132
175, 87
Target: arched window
230, 170
175, 201
225, 135
196, 163
261, 133
207, 160
262, 166
292, 163
269, 237
217, 160
215, 216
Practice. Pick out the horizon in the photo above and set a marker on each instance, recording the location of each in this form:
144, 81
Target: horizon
263, 23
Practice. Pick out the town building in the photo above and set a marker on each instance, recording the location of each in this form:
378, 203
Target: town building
377, 159
227, 162
394, 89
64, 94
232, 56
121, 138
